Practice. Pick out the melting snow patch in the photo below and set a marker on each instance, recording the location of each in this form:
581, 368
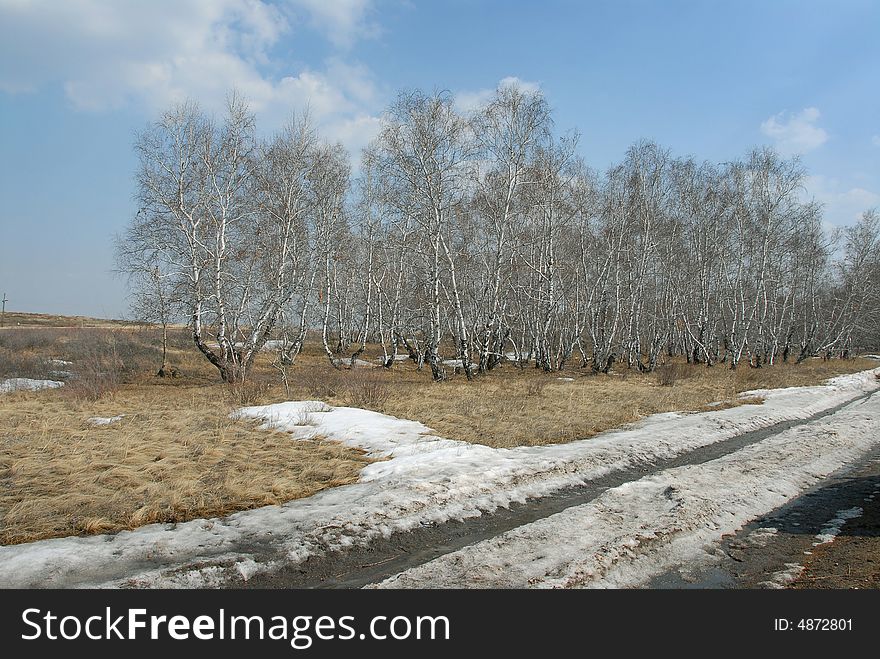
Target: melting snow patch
358, 363
832, 529
105, 420
248, 567
27, 384
761, 537
783, 578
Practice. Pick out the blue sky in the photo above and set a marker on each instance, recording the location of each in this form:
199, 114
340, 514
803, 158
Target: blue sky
711, 79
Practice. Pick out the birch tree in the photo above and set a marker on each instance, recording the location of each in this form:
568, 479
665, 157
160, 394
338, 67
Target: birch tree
422, 153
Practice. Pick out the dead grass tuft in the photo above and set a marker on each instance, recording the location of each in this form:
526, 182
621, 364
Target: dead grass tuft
367, 389
247, 393
535, 386
319, 380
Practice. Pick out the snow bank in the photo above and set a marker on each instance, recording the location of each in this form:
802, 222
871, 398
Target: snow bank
27, 384
642, 528
427, 479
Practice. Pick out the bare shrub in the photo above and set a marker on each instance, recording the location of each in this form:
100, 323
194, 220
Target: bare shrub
96, 371
316, 407
320, 383
138, 352
669, 374
27, 352
470, 406
131, 352
306, 414
37, 339
367, 390
92, 385
23, 365
248, 392
95, 375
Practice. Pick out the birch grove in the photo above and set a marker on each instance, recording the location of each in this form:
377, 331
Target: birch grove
470, 240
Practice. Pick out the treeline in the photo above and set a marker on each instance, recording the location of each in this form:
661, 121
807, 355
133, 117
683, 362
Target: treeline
486, 236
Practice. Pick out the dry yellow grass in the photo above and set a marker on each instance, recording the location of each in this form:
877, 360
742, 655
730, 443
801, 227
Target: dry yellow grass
513, 407
22, 319
175, 456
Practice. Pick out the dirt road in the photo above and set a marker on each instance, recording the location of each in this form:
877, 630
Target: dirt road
753, 557
827, 538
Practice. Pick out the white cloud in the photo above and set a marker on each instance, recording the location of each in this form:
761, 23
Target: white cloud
341, 21
103, 47
468, 101
355, 133
875, 140
108, 54
526, 86
795, 134
843, 205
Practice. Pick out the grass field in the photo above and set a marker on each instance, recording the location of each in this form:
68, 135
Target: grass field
12, 319
177, 455
174, 456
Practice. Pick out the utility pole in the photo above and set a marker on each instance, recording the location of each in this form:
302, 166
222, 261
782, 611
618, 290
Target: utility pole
3, 309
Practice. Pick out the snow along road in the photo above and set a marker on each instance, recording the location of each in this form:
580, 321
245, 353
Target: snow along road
430, 484
640, 529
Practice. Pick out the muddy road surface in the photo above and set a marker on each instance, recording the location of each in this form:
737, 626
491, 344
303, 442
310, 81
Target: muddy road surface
829, 537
